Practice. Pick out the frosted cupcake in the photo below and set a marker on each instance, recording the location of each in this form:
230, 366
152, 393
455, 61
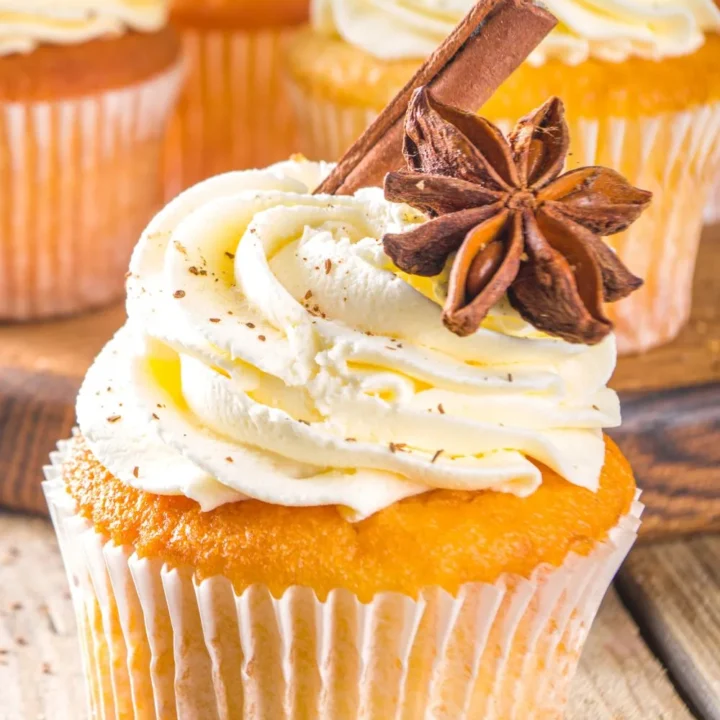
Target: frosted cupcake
86, 89
234, 112
643, 96
294, 489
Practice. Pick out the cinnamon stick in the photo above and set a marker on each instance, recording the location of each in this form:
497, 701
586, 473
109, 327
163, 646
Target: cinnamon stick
490, 43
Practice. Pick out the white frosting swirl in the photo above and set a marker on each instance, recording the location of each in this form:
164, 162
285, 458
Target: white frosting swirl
272, 353
611, 30
25, 24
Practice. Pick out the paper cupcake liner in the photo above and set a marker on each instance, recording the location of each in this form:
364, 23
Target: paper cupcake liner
712, 210
79, 180
327, 129
676, 156
158, 644
233, 113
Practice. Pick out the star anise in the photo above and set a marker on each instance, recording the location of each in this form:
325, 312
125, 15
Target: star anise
518, 226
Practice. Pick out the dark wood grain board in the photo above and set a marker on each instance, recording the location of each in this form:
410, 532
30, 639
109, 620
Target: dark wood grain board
672, 438
41, 368
671, 414
36, 410
671, 406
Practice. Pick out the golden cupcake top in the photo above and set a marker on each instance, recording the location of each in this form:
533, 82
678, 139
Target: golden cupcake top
474, 535
26, 24
604, 29
241, 14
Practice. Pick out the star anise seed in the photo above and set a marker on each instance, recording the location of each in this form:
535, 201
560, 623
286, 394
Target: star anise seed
516, 225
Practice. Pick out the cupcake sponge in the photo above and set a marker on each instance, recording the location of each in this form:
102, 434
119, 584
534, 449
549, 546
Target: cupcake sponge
445, 538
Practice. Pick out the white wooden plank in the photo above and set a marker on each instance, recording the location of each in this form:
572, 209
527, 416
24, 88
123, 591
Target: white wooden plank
40, 675
673, 592
619, 678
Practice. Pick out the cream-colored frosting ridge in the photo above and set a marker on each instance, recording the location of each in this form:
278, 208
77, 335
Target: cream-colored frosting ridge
26, 24
610, 30
272, 352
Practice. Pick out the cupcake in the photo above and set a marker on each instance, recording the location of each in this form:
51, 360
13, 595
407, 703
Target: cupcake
294, 491
233, 113
643, 95
86, 90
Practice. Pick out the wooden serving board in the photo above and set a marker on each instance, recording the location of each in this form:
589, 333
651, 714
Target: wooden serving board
671, 406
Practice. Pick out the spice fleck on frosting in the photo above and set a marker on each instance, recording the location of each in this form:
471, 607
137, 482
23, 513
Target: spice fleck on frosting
516, 224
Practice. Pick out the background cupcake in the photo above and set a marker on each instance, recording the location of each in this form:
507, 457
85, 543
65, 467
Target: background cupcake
712, 211
297, 493
86, 89
234, 112
642, 92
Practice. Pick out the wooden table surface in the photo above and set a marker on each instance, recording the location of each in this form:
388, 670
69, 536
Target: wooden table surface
653, 654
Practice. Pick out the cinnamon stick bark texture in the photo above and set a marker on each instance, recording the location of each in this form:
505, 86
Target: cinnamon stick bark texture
479, 55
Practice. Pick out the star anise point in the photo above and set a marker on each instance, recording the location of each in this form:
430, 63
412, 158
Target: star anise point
517, 225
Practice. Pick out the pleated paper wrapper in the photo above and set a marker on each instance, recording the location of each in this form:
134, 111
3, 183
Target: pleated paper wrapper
158, 644
327, 128
234, 112
712, 211
79, 181
675, 155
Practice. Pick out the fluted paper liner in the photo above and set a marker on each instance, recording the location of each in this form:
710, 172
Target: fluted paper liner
79, 180
233, 113
327, 128
675, 155
158, 644
712, 210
